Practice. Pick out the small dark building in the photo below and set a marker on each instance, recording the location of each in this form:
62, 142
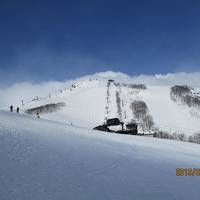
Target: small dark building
102, 128
113, 122
132, 127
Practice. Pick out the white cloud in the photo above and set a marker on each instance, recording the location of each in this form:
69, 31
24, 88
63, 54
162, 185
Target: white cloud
182, 78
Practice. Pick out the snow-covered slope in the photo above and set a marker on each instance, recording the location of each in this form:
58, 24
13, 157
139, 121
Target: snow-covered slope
89, 101
46, 160
168, 115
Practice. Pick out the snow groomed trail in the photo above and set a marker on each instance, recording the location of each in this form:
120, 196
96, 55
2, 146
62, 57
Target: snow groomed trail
46, 160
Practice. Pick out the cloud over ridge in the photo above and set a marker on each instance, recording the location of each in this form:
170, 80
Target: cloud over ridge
15, 93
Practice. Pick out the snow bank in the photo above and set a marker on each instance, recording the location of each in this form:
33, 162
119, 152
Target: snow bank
41, 159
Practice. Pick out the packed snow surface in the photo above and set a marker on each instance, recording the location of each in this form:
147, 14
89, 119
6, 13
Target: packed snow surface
45, 160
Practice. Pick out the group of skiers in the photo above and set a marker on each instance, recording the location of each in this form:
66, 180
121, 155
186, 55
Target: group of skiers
11, 109
17, 110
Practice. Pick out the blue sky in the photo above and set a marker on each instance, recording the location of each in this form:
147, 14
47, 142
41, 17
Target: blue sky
58, 40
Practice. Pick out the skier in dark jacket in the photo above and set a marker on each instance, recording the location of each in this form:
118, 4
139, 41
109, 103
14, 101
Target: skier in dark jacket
38, 115
17, 109
11, 108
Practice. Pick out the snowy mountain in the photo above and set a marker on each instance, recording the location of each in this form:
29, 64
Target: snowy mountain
92, 99
58, 156
46, 160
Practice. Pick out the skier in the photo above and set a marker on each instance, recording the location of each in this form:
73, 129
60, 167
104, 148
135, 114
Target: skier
17, 109
11, 108
38, 115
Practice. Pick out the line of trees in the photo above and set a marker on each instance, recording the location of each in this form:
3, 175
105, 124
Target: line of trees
173, 136
132, 85
141, 114
119, 108
184, 94
195, 138
48, 108
107, 100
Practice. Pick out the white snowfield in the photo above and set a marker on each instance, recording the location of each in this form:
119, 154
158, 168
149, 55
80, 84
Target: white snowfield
46, 160
86, 104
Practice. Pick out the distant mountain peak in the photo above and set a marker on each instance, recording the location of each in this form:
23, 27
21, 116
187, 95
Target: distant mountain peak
111, 74
118, 76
